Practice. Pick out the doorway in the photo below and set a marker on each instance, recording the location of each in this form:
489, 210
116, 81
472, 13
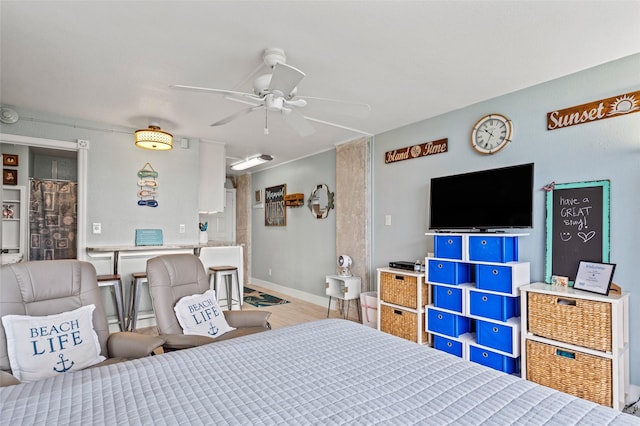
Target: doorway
62, 150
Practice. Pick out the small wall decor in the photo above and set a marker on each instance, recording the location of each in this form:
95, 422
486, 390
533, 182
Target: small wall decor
274, 213
294, 200
416, 151
258, 201
10, 160
615, 106
320, 201
9, 177
147, 185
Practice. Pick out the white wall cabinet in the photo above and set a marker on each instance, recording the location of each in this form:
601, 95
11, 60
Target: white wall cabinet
211, 194
576, 342
13, 228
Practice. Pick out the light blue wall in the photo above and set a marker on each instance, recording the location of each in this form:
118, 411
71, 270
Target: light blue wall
607, 149
302, 253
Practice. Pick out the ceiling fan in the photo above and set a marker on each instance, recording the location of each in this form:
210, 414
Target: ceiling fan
276, 92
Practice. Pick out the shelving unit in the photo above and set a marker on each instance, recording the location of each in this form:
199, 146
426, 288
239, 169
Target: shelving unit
576, 342
402, 297
14, 229
475, 312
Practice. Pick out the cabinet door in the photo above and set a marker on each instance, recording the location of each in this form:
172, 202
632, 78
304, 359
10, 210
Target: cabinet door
211, 194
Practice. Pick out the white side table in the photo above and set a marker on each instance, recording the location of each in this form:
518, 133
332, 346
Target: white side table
344, 288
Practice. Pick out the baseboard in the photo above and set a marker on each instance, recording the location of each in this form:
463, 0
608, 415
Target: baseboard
307, 297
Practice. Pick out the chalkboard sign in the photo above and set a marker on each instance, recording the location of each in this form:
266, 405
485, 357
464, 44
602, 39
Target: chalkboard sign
577, 227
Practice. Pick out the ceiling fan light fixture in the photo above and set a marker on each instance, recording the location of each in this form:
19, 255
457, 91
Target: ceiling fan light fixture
251, 162
154, 138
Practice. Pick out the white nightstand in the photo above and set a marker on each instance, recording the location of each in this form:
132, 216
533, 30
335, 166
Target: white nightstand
344, 288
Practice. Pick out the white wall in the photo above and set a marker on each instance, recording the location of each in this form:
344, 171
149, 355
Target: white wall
607, 149
113, 163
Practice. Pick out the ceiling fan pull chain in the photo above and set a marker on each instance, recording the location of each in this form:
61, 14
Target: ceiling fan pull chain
266, 124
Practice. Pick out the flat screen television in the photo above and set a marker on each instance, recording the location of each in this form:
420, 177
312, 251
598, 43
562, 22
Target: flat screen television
483, 200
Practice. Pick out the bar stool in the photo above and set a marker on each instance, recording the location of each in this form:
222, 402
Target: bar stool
115, 283
137, 279
217, 273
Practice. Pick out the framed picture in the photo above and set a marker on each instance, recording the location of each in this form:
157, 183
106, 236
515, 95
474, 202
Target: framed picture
9, 177
274, 212
9, 160
594, 277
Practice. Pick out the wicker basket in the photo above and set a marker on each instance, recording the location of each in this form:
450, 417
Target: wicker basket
576, 373
580, 322
400, 323
402, 290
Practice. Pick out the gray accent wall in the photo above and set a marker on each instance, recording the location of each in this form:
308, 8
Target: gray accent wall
606, 149
302, 253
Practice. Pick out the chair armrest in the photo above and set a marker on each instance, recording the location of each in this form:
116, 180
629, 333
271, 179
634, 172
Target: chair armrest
241, 319
185, 341
126, 344
7, 379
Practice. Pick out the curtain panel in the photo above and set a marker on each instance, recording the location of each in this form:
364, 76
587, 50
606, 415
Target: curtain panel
52, 219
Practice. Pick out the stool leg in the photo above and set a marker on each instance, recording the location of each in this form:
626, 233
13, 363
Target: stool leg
229, 285
136, 304
216, 285
329, 307
117, 289
131, 311
235, 275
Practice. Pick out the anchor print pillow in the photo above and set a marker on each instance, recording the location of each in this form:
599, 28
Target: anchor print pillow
200, 314
41, 347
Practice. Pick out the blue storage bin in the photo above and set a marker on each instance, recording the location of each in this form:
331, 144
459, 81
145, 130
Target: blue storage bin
446, 323
494, 278
494, 336
493, 249
494, 360
493, 306
447, 345
448, 246
448, 272
447, 298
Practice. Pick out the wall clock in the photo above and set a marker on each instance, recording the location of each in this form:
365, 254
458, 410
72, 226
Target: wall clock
491, 133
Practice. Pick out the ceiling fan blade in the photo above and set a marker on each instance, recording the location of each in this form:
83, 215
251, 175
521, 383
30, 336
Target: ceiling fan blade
355, 109
298, 122
217, 91
285, 78
236, 115
339, 126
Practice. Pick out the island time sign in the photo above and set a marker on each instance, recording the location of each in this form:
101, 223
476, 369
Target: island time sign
416, 151
594, 111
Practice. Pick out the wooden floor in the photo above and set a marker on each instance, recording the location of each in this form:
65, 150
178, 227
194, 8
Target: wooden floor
295, 312
298, 311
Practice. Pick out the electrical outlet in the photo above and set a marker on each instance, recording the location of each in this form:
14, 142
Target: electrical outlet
183, 228
97, 228
269, 271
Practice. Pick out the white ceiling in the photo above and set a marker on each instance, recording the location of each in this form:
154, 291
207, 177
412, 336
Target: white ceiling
113, 61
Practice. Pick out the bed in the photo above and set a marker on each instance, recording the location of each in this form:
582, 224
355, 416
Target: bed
328, 372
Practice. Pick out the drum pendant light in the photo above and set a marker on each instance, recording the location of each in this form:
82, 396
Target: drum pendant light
154, 138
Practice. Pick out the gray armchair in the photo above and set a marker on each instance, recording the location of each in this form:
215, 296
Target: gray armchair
42, 288
174, 276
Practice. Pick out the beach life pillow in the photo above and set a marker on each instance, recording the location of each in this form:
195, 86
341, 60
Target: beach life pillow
41, 347
200, 314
